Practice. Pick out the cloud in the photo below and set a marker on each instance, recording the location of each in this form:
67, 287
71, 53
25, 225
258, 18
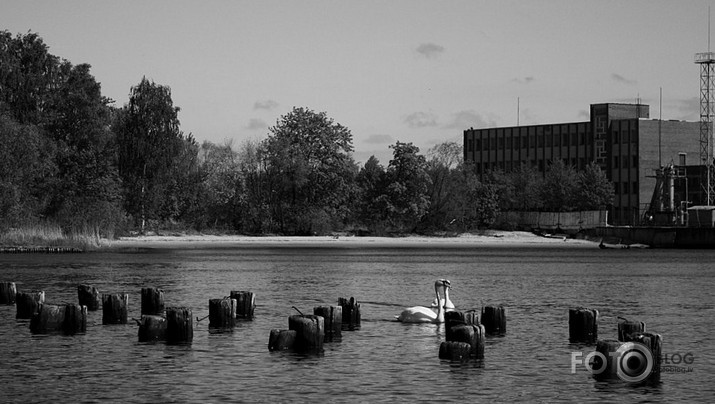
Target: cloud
256, 124
379, 139
430, 50
525, 80
421, 120
620, 79
267, 104
469, 119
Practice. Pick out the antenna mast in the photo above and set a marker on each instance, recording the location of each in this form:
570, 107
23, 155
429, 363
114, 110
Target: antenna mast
706, 60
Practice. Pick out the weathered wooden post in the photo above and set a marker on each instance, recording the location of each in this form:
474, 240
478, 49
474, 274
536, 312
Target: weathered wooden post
28, 303
89, 296
455, 351
626, 328
605, 363
75, 319
66, 318
114, 308
179, 325
351, 313
455, 318
152, 301
281, 340
333, 317
474, 335
8, 293
583, 325
222, 313
152, 328
654, 343
245, 304
494, 319
309, 332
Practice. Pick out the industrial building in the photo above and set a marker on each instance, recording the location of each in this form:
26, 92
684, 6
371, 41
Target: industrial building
621, 138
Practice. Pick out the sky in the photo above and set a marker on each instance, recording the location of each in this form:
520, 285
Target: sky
411, 71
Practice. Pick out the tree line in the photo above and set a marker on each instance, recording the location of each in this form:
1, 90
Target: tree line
68, 155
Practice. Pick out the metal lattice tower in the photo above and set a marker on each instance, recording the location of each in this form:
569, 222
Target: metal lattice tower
706, 60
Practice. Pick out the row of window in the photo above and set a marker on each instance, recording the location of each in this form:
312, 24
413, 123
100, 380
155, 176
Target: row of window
623, 161
540, 165
622, 188
527, 141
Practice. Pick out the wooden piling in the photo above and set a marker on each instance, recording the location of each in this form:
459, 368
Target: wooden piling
654, 342
494, 320
152, 301
309, 332
89, 296
179, 325
281, 340
152, 328
455, 351
28, 303
68, 319
222, 313
583, 325
473, 334
333, 316
245, 304
8, 293
114, 308
604, 366
627, 328
454, 318
351, 313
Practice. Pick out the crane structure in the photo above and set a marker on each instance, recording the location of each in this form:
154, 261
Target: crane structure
706, 60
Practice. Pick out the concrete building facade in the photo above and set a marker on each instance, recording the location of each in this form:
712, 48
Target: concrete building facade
621, 138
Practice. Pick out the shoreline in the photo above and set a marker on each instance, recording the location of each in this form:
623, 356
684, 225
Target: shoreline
489, 238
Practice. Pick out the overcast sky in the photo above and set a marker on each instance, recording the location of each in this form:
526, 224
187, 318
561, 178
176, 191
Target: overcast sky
413, 71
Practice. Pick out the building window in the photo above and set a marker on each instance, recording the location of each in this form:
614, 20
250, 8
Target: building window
501, 143
635, 161
615, 161
508, 142
635, 187
548, 139
541, 140
625, 188
564, 139
616, 188
523, 142
581, 139
574, 139
625, 138
479, 145
625, 161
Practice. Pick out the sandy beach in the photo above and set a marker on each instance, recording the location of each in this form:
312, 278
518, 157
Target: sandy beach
488, 238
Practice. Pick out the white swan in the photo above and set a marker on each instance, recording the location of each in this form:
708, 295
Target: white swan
446, 303
420, 314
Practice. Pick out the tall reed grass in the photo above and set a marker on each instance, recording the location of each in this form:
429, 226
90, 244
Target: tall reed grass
46, 234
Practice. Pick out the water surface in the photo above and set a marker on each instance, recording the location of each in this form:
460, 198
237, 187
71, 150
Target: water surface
673, 291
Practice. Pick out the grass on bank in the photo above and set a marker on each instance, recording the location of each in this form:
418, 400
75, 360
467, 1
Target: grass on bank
48, 235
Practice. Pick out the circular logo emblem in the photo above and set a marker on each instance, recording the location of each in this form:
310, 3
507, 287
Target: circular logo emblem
634, 362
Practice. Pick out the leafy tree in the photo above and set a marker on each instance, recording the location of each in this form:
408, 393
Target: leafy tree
309, 157
371, 204
149, 141
406, 193
559, 187
518, 190
593, 190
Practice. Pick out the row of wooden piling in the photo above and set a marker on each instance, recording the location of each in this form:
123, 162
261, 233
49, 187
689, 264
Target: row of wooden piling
157, 322
465, 332
583, 328
308, 332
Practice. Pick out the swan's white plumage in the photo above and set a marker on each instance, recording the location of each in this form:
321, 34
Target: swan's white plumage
421, 314
446, 302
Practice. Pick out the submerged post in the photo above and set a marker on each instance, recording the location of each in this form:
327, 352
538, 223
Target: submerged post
179, 325
628, 328
28, 303
494, 320
333, 316
114, 308
222, 313
8, 293
583, 325
351, 313
245, 303
89, 296
152, 328
152, 301
309, 332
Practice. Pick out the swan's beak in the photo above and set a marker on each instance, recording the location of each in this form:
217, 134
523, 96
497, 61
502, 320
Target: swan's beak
447, 284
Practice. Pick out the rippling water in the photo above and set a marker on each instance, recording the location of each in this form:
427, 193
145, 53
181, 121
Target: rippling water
384, 361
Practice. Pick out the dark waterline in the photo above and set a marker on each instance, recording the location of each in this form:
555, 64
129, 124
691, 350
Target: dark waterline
672, 291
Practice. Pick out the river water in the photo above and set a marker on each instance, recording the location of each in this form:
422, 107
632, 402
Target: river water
672, 291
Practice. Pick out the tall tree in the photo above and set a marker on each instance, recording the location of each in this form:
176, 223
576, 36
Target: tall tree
559, 189
593, 190
149, 141
371, 201
310, 154
407, 186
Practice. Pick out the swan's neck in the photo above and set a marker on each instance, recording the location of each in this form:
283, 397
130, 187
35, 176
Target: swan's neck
446, 295
440, 311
